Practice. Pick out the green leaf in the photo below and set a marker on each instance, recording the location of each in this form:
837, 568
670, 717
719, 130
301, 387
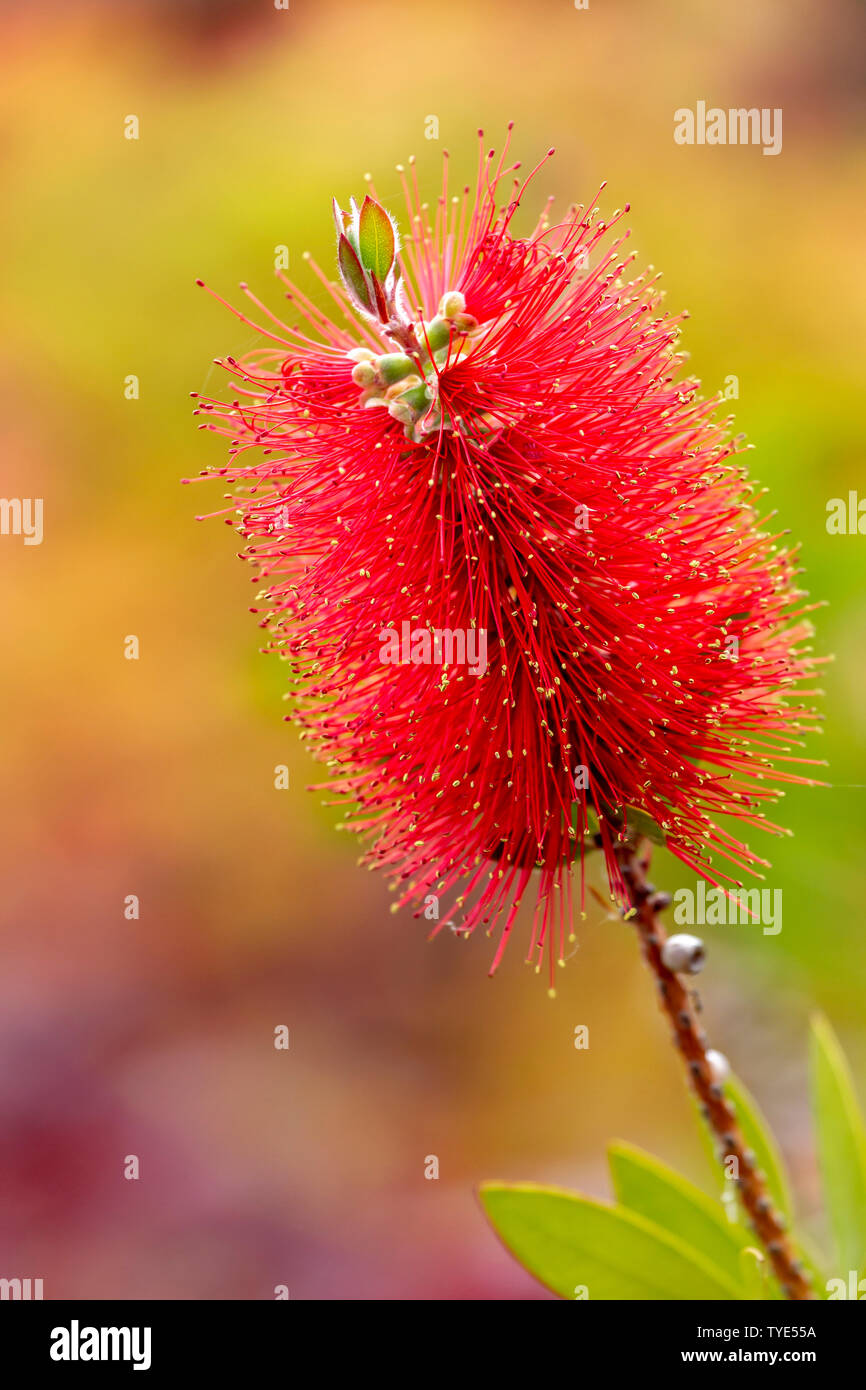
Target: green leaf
352, 273
755, 1274
841, 1146
376, 242
649, 1187
759, 1138
591, 824
643, 823
569, 1241
635, 820
340, 218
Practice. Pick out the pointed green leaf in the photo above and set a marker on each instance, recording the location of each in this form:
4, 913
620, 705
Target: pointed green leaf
755, 1273
841, 1147
340, 218
569, 1241
352, 273
759, 1137
645, 1185
643, 824
376, 242
635, 820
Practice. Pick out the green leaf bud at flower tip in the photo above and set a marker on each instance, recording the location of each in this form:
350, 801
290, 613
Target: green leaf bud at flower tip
353, 274
377, 240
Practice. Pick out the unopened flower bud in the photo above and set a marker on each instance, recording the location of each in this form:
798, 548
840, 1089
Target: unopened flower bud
398, 410
399, 387
465, 323
451, 304
394, 366
410, 405
364, 374
418, 398
684, 954
434, 335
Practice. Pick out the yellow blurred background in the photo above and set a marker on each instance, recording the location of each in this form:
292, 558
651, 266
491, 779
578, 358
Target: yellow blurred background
155, 777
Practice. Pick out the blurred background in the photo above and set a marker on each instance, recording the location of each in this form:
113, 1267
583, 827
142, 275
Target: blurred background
154, 777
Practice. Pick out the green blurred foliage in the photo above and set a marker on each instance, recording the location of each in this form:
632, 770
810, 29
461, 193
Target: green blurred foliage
664, 1239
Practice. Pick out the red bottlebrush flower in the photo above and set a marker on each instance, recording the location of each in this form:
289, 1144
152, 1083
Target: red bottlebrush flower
513, 561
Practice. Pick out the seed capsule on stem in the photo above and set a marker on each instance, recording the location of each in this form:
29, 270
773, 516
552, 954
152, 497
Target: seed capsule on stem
719, 1066
684, 954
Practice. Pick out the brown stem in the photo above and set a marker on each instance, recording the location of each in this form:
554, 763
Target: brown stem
765, 1221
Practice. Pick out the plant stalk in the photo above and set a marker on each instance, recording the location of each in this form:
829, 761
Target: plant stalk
676, 1002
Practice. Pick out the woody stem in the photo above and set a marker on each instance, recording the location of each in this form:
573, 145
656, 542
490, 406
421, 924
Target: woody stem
690, 1039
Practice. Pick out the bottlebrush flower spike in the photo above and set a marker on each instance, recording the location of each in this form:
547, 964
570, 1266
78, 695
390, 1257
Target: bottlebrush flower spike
513, 562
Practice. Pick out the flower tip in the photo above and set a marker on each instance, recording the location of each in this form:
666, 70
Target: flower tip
200, 284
